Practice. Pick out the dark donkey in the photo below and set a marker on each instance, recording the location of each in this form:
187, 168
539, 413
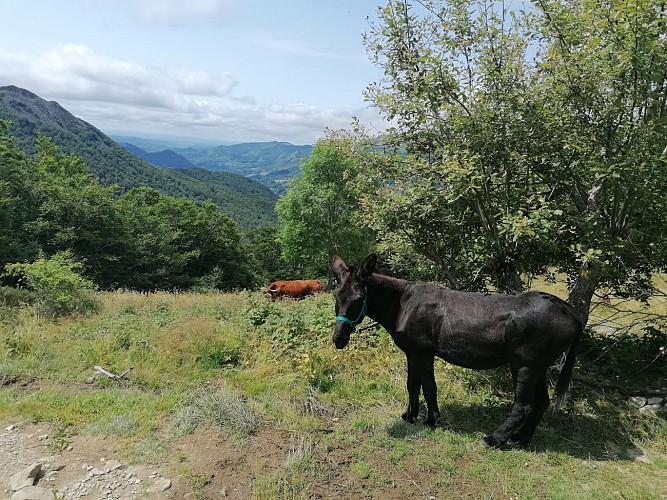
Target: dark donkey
528, 331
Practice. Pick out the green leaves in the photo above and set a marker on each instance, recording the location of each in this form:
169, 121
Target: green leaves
521, 140
173, 243
143, 240
58, 285
318, 215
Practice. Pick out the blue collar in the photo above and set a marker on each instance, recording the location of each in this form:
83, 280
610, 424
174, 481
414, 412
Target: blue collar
359, 319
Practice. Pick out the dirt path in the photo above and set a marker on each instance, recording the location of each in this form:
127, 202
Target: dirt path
84, 469
199, 466
202, 466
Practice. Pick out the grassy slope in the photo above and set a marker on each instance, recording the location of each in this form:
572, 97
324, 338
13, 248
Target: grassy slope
249, 366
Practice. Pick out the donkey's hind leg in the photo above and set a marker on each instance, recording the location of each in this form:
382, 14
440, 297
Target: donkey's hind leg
523, 409
525, 433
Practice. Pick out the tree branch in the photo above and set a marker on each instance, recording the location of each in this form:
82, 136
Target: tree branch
624, 390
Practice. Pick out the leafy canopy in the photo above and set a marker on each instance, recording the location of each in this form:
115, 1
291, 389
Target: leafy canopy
522, 139
50, 205
318, 215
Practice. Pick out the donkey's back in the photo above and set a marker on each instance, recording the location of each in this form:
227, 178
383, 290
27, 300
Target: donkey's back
477, 330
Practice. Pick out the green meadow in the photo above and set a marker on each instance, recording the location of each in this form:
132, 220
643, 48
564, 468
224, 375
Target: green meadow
251, 370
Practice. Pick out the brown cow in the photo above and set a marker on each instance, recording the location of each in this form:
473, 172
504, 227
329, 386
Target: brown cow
296, 288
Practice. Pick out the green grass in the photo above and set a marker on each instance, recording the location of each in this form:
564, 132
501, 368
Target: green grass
246, 365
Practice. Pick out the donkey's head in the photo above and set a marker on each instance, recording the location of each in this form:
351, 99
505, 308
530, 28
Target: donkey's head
350, 297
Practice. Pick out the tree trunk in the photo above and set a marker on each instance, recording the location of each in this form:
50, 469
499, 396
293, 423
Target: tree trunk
583, 289
505, 274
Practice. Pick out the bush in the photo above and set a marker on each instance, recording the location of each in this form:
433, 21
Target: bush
217, 355
15, 297
58, 287
223, 407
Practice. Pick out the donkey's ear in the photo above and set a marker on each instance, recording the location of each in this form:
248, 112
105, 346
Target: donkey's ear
339, 267
367, 267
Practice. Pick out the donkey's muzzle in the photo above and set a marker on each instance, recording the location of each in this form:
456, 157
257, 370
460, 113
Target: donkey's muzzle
341, 335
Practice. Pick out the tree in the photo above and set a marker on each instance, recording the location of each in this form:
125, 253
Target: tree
17, 202
221, 261
264, 253
173, 243
603, 78
76, 213
522, 140
50, 205
318, 213
456, 190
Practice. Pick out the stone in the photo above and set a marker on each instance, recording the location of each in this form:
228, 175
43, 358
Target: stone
159, 486
637, 401
26, 477
10, 428
652, 409
654, 401
638, 456
33, 493
113, 465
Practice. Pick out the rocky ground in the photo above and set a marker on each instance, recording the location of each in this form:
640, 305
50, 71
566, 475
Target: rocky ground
29, 469
202, 465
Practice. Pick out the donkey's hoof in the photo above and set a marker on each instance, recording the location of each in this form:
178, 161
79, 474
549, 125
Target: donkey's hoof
408, 418
431, 422
520, 440
492, 442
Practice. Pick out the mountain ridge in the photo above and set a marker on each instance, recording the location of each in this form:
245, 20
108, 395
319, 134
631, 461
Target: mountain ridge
271, 163
164, 158
249, 203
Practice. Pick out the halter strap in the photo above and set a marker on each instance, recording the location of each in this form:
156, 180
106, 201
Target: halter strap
359, 319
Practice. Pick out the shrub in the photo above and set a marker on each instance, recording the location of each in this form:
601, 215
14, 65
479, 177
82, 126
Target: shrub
58, 287
14, 297
217, 354
223, 407
317, 370
258, 310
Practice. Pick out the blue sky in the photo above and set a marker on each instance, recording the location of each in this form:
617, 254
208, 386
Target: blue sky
228, 70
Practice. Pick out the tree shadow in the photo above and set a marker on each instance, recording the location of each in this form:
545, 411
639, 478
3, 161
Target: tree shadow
607, 434
400, 429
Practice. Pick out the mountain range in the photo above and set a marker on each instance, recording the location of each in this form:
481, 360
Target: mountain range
248, 202
272, 164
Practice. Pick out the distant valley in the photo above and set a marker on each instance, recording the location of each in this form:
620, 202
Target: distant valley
272, 164
165, 158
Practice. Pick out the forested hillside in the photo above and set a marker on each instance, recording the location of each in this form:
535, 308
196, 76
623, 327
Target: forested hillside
270, 163
112, 164
163, 158
55, 217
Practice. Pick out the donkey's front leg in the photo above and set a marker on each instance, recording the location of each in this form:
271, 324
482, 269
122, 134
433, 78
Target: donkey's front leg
414, 386
430, 390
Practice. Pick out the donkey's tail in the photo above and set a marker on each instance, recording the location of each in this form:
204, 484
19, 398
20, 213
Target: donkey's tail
565, 377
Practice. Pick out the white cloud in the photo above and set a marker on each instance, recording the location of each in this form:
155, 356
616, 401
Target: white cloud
77, 73
123, 95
